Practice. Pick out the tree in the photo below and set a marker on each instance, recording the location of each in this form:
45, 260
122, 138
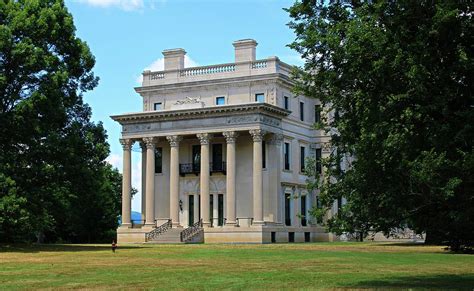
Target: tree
397, 78
53, 174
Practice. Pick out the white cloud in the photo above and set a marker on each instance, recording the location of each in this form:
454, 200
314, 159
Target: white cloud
115, 160
159, 65
127, 5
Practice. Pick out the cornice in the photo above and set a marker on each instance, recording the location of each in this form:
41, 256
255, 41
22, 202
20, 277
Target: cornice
277, 77
205, 112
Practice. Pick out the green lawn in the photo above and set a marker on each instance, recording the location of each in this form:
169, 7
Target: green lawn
318, 265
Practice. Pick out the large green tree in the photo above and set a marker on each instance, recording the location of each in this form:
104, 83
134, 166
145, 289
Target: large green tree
397, 80
54, 181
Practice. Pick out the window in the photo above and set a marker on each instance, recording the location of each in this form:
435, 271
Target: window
286, 153
302, 111
286, 103
273, 237
157, 106
196, 149
307, 237
217, 163
220, 100
158, 160
264, 154
318, 161
260, 97
317, 113
302, 159
287, 209
303, 210
291, 237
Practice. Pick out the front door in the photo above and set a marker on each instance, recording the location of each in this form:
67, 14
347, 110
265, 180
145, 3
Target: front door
190, 210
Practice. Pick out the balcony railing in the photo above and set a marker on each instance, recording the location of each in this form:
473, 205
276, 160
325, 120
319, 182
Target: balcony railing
195, 169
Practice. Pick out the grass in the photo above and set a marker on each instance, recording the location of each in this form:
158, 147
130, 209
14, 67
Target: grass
207, 266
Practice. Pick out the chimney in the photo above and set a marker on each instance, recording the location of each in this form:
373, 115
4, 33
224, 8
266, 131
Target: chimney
174, 59
244, 50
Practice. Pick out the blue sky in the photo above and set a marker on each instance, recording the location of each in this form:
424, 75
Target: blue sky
127, 36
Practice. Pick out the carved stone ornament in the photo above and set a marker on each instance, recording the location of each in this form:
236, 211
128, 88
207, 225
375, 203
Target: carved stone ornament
326, 147
276, 139
230, 136
174, 140
188, 100
204, 137
257, 134
149, 142
126, 144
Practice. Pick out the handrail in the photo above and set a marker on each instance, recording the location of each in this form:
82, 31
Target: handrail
191, 231
159, 230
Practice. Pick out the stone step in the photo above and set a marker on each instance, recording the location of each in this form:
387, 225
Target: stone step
171, 236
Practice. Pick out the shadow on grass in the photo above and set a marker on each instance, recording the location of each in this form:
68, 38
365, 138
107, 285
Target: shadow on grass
463, 281
36, 248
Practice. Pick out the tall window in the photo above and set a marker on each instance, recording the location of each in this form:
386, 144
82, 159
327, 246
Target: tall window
287, 209
220, 100
318, 161
303, 210
302, 158
302, 111
286, 153
286, 102
264, 154
157, 106
196, 149
317, 113
260, 97
158, 160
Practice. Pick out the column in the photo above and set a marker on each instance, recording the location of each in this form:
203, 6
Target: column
126, 182
274, 175
150, 182
196, 207
174, 178
257, 135
143, 146
204, 186
230, 137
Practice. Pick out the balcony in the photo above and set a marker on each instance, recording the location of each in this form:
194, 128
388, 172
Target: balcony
195, 169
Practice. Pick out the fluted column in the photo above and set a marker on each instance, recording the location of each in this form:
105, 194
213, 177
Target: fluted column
174, 178
126, 182
257, 135
204, 186
274, 176
231, 137
150, 181
143, 147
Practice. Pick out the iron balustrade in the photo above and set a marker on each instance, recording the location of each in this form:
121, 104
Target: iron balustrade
159, 230
195, 169
191, 231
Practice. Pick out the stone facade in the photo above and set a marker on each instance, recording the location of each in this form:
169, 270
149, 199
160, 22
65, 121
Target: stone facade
224, 145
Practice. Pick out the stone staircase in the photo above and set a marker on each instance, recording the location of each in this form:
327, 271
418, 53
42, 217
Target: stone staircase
171, 236
165, 234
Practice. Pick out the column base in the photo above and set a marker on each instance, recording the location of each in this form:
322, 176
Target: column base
206, 224
258, 223
231, 223
126, 225
149, 225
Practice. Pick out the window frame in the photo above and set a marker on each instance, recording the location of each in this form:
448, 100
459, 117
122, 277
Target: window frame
156, 103
220, 98
317, 113
260, 94
287, 156
302, 111
302, 158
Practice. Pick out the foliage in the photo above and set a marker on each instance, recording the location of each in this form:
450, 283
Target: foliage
54, 181
396, 78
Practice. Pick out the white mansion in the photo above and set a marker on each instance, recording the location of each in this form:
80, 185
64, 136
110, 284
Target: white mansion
223, 153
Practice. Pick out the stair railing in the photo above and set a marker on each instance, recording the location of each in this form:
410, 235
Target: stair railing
157, 231
191, 231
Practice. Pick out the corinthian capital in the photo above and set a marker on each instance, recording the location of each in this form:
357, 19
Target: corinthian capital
257, 134
174, 140
126, 144
204, 138
276, 139
230, 136
149, 142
